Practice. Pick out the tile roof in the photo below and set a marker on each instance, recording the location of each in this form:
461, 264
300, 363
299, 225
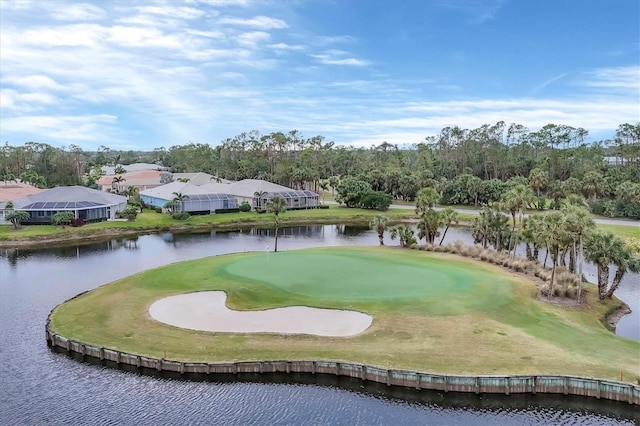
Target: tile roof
10, 191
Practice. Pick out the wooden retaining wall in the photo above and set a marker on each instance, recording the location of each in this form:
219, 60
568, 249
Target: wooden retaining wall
567, 385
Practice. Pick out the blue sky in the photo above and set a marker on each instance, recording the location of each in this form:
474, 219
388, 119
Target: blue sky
146, 74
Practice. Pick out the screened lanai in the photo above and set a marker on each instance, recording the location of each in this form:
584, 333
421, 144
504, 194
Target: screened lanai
294, 199
190, 198
86, 204
208, 202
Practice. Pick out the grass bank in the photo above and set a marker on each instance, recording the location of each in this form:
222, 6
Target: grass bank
432, 312
150, 221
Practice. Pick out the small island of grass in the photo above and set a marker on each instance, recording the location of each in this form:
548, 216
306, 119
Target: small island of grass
431, 312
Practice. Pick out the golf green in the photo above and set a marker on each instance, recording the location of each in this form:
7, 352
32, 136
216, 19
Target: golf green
352, 275
431, 312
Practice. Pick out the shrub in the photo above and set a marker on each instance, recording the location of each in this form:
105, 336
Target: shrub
245, 207
375, 200
130, 213
323, 206
158, 209
232, 210
181, 216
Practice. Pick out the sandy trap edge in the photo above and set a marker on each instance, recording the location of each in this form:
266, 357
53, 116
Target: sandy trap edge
207, 311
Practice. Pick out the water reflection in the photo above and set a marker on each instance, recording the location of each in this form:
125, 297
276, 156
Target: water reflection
39, 387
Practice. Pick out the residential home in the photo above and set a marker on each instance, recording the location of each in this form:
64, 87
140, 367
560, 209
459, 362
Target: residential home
197, 199
88, 205
13, 190
258, 193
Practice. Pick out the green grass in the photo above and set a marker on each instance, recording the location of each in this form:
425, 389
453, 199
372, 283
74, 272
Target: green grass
150, 221
432, 312
624, 231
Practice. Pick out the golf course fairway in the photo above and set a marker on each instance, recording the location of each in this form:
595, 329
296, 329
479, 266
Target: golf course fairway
431, 312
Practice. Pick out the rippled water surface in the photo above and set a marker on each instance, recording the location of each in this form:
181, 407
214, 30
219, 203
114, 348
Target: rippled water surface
38, 386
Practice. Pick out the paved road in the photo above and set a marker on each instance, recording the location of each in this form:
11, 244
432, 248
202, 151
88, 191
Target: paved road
626, 222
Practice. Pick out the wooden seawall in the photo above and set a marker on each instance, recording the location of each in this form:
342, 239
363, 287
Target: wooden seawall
566, 385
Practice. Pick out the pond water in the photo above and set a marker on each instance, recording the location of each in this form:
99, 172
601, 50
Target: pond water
42, 387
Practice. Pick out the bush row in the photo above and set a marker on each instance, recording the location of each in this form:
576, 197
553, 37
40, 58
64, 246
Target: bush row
566, 283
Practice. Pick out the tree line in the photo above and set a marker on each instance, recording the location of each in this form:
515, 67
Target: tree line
466, 166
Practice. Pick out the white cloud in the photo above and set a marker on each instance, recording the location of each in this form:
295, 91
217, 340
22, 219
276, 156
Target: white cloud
142, 37
77, 12
253, 38
619, 78
338, 57
172, 11
262, 22
37, 81
286, 47
65, 128
207, 34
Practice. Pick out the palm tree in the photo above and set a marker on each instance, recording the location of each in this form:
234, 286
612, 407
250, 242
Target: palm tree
177, 200
426, 198
538, 179
119, 170
481, 229
115, 183
324, 185
380, 224
449, 216
429, 224
575, 200
531, 236
603, 249
404, 235
132, 191
276, 205
515, 200
259, 195
554, 228
579, 222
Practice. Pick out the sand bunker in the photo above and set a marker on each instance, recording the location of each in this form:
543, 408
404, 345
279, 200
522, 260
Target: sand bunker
207, 311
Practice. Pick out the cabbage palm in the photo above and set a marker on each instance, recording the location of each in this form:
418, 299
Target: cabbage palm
429, 224
555, 233
276, 205
404, 234
579, 222
538, 179
379, 224
449, 216
531, 235
515, 200
426, 199
178, 199
604, 249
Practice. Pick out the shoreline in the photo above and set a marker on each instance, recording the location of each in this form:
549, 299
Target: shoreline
478, 384
107, 233
610, 321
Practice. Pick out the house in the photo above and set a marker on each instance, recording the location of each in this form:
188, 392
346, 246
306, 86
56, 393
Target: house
143, 179
258, 192
199, 178
88, 205
13, 190
198, 199
212, 196
134, 167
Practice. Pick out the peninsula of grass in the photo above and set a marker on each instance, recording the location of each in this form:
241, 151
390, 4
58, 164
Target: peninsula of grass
431, 312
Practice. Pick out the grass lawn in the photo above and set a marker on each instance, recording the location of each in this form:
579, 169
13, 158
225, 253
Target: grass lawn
432, 312
152, 221
624, 231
